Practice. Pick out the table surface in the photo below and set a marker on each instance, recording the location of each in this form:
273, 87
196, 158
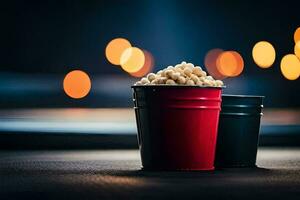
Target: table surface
116, 174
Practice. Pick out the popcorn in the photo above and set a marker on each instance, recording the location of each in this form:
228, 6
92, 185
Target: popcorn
151, 77
153, 82
210, 78
190, 82
175, 76
170, 67
194, 78
190, 66
181, 74
169, 72
138, 83
159, 72
197, 71
162, 80
181, 80
178, 66
203, 73
219, 83
145, 81
202, 78
187, 71
207, 83
170, 82
199, 83
179, 70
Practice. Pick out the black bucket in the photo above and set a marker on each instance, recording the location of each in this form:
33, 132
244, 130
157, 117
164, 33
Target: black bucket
238, 131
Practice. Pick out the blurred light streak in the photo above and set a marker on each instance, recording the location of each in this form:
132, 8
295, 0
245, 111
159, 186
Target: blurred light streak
103, 121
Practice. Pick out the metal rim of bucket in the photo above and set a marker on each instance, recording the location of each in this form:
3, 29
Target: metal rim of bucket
187, 99
242, 106
242, 114
240, 95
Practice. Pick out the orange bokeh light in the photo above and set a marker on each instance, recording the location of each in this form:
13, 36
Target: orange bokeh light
297, 35
230, 63
240, 63
77, 84
297, 49
115, 48
132, 59
148, 65
210, 62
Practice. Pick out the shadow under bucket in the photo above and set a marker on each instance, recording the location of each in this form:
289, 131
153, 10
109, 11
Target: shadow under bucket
238, 131
177, 126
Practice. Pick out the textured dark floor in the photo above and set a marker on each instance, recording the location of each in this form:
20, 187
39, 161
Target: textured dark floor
117, 175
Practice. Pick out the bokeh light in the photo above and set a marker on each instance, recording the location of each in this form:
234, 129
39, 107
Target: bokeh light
297, 49
77, 84
132, 59
297, 35
226, 63
240, 63
290, 67
115, 48
230, 63
263, 54
210, 63
147, 67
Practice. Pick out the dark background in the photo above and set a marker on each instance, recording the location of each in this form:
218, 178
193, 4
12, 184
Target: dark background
41, 41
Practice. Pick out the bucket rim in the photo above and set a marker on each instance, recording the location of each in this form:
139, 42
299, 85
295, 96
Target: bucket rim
241, 95
176, 86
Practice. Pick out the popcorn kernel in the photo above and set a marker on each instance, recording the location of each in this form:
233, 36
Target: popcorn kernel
181, 80
151, 76
187, 71
190, 82
170, 82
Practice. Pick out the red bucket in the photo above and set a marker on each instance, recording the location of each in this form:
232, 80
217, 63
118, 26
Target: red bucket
177, 126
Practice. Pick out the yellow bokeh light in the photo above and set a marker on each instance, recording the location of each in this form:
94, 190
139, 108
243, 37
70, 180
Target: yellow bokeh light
263, 54
147, 67
297, 35
132, 59
290, 67
297, 49
115, 48
77, 84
